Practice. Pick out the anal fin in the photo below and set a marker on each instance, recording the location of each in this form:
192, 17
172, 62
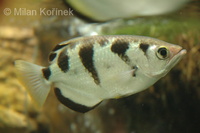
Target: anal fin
71, 104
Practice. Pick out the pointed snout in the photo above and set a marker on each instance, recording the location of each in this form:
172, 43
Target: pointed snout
177, 50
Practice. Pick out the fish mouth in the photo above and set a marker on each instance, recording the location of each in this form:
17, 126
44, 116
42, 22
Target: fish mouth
175, 59
183, 51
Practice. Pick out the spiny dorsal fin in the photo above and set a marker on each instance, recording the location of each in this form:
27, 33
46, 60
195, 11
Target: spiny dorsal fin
53, 56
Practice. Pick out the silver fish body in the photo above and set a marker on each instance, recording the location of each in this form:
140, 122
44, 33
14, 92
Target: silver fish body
87, 70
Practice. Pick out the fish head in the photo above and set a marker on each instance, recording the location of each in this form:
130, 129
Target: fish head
161, 57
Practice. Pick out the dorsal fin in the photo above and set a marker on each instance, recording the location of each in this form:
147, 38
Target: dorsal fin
53, 56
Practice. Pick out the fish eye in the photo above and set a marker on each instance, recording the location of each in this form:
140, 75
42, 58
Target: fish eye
162, 53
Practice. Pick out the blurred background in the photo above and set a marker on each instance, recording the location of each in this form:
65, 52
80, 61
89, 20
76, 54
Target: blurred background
30, 29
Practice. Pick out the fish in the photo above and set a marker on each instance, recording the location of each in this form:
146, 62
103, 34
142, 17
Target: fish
106, 10
85, 71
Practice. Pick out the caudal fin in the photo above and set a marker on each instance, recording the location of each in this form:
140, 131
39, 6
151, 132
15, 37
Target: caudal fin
31, 77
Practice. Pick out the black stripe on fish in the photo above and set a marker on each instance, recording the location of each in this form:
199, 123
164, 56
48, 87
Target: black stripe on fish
144, 47
72, 105
86, 55
52, 56
120, 47
59, 46
63, 61
46, 73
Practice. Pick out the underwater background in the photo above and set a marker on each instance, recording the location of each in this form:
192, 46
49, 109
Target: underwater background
172, 105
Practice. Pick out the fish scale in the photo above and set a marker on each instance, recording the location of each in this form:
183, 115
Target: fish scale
85, 71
